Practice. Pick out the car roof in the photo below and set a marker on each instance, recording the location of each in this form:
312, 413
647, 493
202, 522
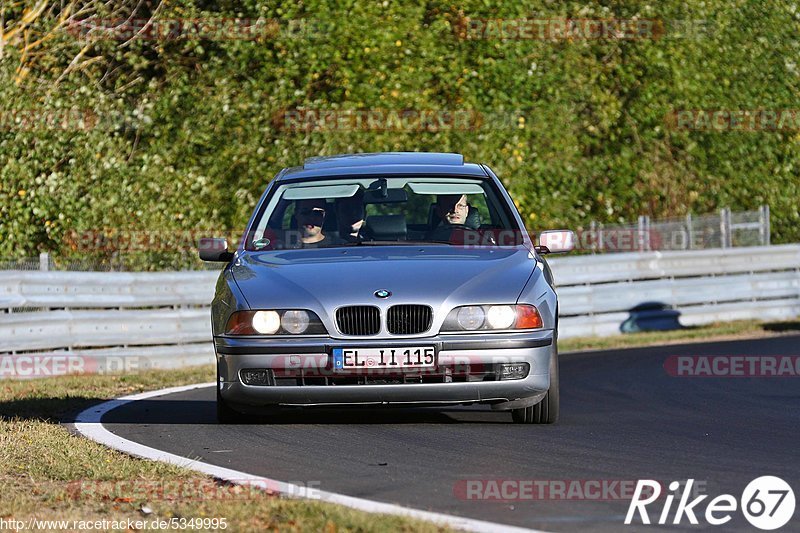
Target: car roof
384, 163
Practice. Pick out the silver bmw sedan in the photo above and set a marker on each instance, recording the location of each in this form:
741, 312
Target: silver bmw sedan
386, 279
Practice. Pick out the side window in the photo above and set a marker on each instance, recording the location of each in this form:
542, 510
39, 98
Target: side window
281, 216
478, 201
288, 214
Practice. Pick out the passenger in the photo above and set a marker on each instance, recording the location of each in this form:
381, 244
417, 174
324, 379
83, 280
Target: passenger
350, 216
310, 216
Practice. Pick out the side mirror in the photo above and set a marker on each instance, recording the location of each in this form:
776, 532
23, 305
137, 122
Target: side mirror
556, 242
214, 250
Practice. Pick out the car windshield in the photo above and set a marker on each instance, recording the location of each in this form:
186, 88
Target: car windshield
395, 210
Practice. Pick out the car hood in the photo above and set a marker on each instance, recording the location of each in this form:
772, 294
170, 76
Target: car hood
323, 279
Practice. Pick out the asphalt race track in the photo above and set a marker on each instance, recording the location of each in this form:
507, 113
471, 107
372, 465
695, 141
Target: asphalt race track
623, 418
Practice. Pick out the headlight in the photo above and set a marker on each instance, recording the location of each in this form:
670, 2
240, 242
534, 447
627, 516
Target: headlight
501, 316
266, 322
295, 322
471, 317
492, 317
275, 322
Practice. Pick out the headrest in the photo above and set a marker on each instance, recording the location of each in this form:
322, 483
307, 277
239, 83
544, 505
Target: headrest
352, 208
385, 227
433, 217
330, 223
473, 220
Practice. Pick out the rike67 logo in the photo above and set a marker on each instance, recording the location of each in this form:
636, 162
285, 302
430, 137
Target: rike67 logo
767, 503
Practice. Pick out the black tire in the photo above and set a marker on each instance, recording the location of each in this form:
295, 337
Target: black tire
547, 410
225, 414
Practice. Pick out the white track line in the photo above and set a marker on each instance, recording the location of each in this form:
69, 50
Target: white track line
88, 424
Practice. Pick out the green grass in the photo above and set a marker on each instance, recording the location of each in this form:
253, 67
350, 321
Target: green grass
49, 473
711, 332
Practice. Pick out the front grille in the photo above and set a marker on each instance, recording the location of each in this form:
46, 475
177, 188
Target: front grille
409, 319
359, 320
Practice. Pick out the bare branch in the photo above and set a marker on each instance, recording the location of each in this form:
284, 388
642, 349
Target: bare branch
146, 26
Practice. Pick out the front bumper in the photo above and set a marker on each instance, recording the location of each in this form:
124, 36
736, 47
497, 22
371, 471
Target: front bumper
452, 351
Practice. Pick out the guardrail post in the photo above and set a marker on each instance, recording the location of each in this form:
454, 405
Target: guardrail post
600, 238
763, 225
725, 227
644, 226
640, 227
44, 261
729, 225
690, 229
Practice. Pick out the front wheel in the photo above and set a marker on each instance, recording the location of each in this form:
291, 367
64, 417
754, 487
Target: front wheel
546, 411
226, 415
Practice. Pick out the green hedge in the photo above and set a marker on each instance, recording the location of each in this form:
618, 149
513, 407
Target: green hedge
190, 131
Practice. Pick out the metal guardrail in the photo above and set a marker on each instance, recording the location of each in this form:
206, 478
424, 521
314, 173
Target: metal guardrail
100, 290
597, 293
99, 322
162, 318
679, 264
679, 292
84, 329
607, 324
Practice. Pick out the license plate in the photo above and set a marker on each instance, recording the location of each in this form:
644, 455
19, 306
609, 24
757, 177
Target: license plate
384, 358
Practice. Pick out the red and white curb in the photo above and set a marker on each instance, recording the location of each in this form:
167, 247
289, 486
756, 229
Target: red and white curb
88, 423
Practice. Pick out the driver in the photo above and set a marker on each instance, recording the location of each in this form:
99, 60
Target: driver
310, 216
452, 210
